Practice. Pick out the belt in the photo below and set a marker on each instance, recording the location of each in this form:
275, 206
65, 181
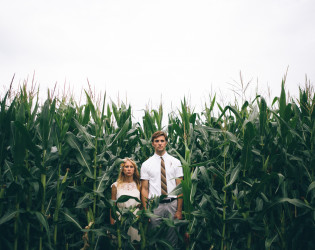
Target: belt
167, 200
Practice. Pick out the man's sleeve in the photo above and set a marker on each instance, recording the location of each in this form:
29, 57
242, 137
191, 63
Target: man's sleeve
144, 175
178, 169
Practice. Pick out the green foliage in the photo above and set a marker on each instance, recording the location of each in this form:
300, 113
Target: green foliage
248, 174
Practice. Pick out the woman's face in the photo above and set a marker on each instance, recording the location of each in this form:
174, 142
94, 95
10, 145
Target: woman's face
128, 169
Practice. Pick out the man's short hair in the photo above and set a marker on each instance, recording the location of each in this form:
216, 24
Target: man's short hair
158, 134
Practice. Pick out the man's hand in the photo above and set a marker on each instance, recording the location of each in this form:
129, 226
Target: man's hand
178, 215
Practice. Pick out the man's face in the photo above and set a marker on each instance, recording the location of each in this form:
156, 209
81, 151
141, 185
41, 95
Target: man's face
159, 145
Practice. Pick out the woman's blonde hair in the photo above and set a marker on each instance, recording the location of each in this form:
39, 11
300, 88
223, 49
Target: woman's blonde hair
136, 175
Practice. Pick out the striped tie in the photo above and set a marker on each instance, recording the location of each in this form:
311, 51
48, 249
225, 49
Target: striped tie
163, 178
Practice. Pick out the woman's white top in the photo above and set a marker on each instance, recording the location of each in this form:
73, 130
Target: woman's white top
127, 189
131, 190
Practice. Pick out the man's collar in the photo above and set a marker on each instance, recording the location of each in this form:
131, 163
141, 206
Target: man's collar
158, 156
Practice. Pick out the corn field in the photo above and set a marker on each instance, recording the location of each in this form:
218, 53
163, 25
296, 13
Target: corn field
248, 173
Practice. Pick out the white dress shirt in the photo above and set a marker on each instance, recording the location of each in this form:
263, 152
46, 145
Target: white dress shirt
151, 171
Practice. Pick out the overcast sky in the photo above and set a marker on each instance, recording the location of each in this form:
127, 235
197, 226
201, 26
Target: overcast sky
147, 49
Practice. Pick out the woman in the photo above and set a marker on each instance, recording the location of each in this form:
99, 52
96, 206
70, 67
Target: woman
128, 183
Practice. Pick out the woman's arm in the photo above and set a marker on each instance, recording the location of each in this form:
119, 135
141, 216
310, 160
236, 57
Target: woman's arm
114, 195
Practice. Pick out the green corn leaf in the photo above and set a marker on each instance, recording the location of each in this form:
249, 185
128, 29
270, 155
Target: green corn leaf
178, 130
220, 108
253, 117
202, 163
310, 187
233, 177
86, 117
100, 187
85, 201
158, 119
44, 222
234, 111
90, 215
20, 114
183, 161
8, 170
64, 179
103, 107
192, 118
292, 131
177, 190
86, 135
45, 122
122, 132
73, 142
232, 138
203, 132
246, 157
48, 206
69, 217
192, 225
269, 241
218, 172
204, 175
193, 192
18, 146
148, 123
9, 215
295, 202
264, 197
187, 154
92, 109
115, 112
281, 179
288, 112
165, 244
282, 101
185, 116
244, 106
186, 197
212, 103
28, 141
225, 150
169, 221
124, 198
194, 175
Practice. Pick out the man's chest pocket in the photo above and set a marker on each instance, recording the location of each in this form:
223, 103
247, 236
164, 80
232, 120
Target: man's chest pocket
170, 172
154, 173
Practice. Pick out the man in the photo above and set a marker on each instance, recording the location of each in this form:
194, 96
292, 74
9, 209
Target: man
160, 174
